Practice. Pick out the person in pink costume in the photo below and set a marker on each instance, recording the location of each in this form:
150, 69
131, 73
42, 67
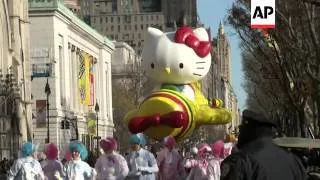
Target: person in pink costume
205, 166
221, 150
170, 161
51, 167
111, 165
218, 150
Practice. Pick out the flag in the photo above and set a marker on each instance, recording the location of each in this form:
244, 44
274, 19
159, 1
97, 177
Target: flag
84, 78
91, 75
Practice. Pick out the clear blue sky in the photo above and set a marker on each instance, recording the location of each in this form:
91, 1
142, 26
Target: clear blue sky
211, 12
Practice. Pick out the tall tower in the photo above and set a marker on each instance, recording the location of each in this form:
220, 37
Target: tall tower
224, 53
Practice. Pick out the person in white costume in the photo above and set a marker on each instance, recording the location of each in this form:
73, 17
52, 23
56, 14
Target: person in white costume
170, 161
77, 169
142, 163
111, 165
205, 166
27, 167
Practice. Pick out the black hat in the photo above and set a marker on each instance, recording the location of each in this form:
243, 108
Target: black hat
250, 117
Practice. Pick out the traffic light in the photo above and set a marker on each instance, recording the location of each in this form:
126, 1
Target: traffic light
65, 124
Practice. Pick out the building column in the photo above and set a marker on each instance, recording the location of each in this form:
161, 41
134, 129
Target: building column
74, 79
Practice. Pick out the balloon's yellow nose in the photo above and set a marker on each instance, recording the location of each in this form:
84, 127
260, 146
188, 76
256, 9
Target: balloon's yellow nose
167, 69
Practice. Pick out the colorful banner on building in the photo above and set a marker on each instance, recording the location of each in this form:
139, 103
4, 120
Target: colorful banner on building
41, 113
92, 125
91, 76
84, 78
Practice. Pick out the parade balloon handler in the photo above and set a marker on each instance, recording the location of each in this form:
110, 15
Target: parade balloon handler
142, 164
111, 165
221, 150
170, 161
27, 167
77, 168
204, 166
176, 61
52, 168
258, 156
218, 150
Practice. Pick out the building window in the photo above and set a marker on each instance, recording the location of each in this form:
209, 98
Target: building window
111, 27
141, 18
62, 69
135, 27
100, 20
139, 35
111, 19
118, 19
116, 36
119, 28
94, 20
127, 19
125, 27
125, 36
151, 18
132, 35
139, 44
147, 18
141, 26
106, 19
157, 17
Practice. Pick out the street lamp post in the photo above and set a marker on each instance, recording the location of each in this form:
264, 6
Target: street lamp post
96, 108
47, 90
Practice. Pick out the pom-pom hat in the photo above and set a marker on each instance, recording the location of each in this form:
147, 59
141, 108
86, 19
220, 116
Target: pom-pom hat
108, 143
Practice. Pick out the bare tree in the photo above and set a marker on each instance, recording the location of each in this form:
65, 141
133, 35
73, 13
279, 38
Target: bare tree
282, 69
127, 94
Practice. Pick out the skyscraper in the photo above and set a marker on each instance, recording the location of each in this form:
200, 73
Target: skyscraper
73, 5
172, 10
126, 20
224, 53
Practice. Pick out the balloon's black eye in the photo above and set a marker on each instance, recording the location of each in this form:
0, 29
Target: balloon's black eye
152, 65
181, 65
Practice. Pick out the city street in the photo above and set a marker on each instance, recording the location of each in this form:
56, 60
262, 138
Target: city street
137, 89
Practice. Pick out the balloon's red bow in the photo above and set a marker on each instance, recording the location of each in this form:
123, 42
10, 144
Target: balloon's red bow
185, 35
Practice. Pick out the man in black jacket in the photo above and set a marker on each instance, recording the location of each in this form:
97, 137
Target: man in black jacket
258, 158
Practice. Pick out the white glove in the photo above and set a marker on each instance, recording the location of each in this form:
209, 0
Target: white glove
57, 175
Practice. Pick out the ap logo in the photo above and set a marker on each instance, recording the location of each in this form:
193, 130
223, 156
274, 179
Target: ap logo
263, 14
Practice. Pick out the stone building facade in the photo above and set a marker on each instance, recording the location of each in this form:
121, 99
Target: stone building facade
15, 87
123, 21
75, 60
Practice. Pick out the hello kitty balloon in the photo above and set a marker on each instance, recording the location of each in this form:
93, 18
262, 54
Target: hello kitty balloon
177, 61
